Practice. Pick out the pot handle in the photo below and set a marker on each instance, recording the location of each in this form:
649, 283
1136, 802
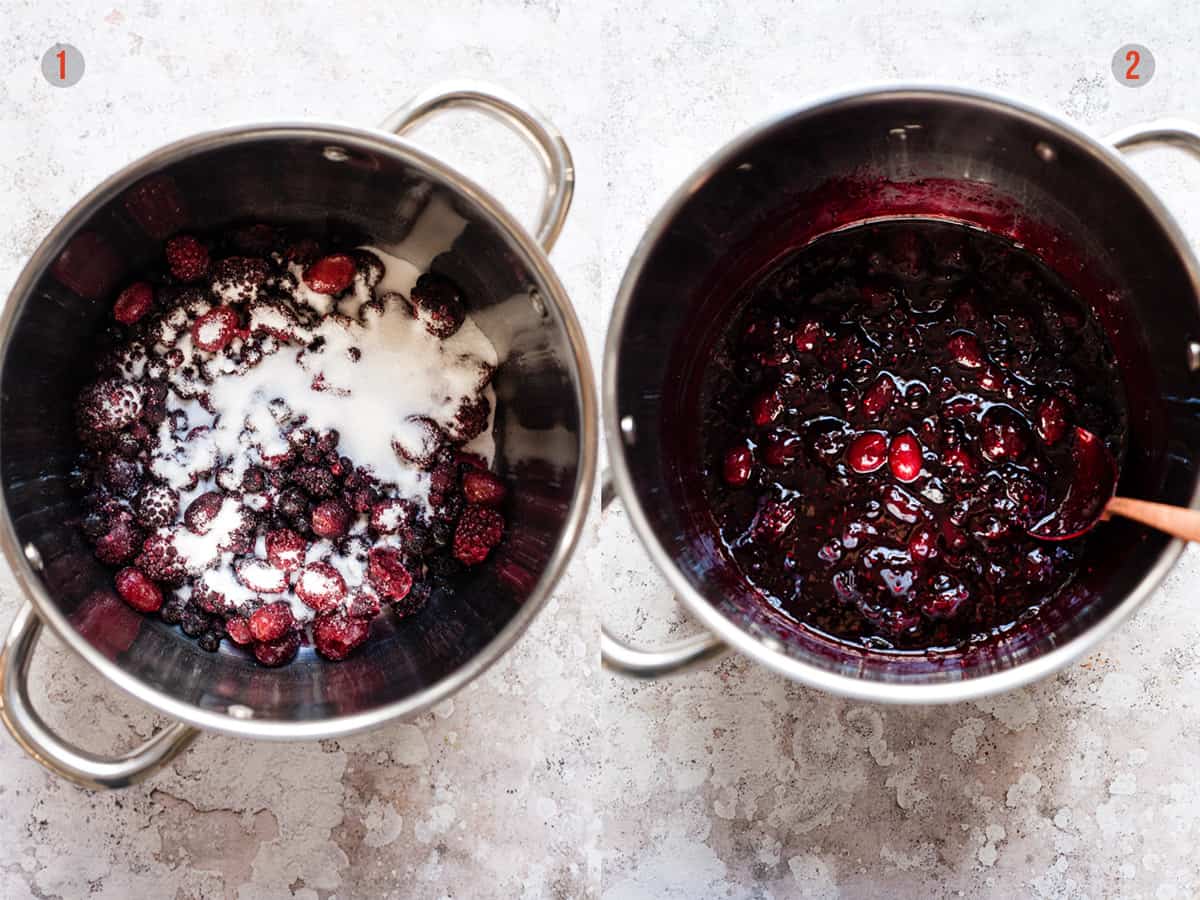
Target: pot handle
517, 115
55, 753
621, 657
1173, 132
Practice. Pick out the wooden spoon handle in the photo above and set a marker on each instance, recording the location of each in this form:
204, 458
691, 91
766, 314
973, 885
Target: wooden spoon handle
1174, 520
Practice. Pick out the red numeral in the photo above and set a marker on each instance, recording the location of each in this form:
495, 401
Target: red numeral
62, 65
1130, 74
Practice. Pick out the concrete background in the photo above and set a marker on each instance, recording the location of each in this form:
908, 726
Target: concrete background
547, 777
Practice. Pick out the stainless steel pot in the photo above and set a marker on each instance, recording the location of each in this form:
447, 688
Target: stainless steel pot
918, 152
379, 185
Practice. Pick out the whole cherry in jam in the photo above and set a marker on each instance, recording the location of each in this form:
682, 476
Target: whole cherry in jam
884, 418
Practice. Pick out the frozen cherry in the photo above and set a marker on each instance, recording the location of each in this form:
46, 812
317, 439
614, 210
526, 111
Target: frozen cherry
879, 396
766, 408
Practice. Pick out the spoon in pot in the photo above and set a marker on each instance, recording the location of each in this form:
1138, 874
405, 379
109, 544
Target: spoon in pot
1090, 499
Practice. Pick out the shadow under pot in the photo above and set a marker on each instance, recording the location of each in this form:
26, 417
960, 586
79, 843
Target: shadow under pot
780, 458
315, 178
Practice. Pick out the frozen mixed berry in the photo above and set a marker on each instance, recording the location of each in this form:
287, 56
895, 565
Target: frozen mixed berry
157, 505
238, 629
387, 572
331, 519
483, 487
133, 303
279, 651
479, 530
110, 405
216, 328
336, 636
271, 622
438, 304
187, 258
285, 549
320, 586
138, 590
331, 274
160, 559
119, 544
202, 511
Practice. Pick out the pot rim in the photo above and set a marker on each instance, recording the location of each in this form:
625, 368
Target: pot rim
803, 672
374, 140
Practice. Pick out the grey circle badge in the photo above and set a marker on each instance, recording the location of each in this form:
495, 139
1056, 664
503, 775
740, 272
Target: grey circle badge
62, 65
1133, 65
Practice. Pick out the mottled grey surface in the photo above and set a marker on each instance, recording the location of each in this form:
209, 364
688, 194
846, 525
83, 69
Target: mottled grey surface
726, 781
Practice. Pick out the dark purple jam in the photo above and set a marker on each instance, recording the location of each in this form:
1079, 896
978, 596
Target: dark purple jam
890, 410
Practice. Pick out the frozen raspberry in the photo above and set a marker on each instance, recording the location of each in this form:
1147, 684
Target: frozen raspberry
119, 543
238, 629
317, 481
438, 304
331, 519
133, 303
260, 576
483, 488
160, 560
139, 591
738, 466
320, 586
285, 549
392, 516
330, 274
904, 457
867, 452
278, 652
238, 277
336, 636
272, 621
201, 512
479, 530
216, 328
386, 570
110, 405
187, 258
417, 440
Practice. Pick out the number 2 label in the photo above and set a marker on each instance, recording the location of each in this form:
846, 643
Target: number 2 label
1133, 58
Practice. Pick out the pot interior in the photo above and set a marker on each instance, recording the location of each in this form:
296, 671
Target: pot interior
907, 154
320, 179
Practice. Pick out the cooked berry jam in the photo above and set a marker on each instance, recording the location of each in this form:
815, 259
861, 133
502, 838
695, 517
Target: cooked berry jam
888, 413
285, 435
